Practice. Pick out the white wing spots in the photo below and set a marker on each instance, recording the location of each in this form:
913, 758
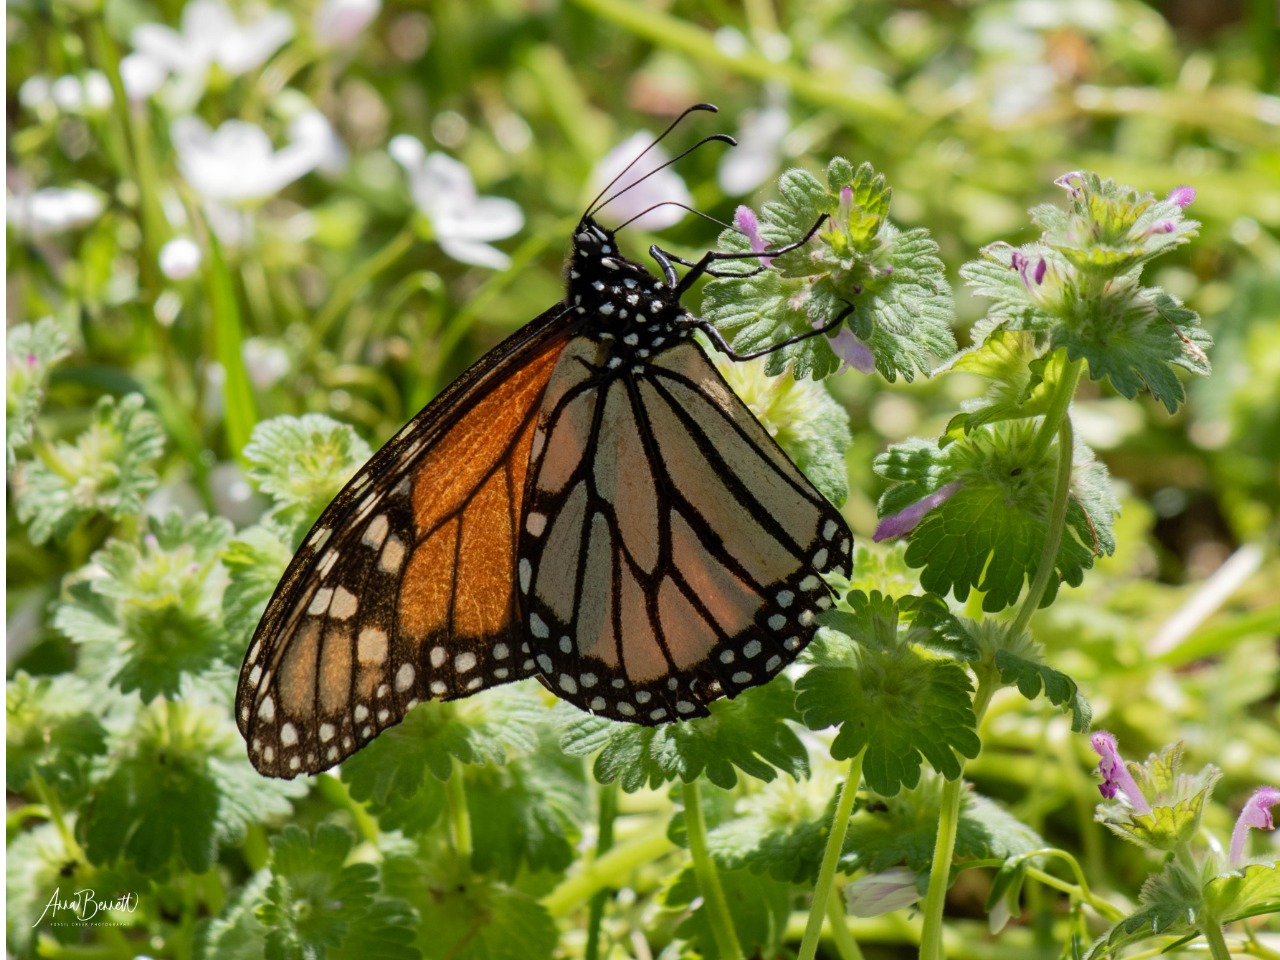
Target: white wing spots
606, 308
566, 645
244, 713
684, 706
845, 545
829, 529
475, 683
383, 716
438, 655
267, 709
791, 643
823, 602
588, 680
326, 732
643, 697
626, 709
268, 753
371, 646
501, 652
805, 618
438, 687
785, 598
404, 677
295, 763
535, 523
544, 663
726, 656
464, 662
658, 714
332, 754
528, 665
526, 574
501, 672
597, 704
325, 565
538, 627
376, 532
773, 663
366, 732
361, 713
288, 735
402, 489
344, 604
255, 674
820, 559
568, 684
320, 602
383, 690
751, 649
370, 504
411, 703
777, 622
619, 684
392, 556
809, 583
319, 537
741, 677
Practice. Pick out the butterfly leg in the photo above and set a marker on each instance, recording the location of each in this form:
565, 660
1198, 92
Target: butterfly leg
703, 266
723, 346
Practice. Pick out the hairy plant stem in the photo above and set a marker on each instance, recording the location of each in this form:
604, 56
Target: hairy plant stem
1056, 423
455, 794
708, 879
608, 799
831, 858
609, 870
1217, 942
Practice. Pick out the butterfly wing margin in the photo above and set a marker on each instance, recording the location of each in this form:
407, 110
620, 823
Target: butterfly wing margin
672, 552
403, 589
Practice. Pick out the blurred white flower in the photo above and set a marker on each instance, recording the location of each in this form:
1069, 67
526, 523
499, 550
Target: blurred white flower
68, 94
179, 258
236, 163
759, 151
339, 22
52, 210
211, 34
266, 362
444, 191
664, 187
141, 76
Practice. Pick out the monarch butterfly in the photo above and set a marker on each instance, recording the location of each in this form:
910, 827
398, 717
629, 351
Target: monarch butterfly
590, 504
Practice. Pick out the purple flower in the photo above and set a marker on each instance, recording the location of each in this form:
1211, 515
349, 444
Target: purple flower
905, 520
852, 351
1115, 775
1029, 273
846, 206
1256, 814
1068, 183
1181, 196
744, 218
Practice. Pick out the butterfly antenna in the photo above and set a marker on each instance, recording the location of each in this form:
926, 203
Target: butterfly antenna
720, 137
682, 206
708, 107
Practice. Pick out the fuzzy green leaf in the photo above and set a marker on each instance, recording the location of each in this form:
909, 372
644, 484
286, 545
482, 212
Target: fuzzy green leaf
108, 470
1031, 675
155, 608
52, 732
989, 533
255, 560
758, 906
31, 351
750, 733
1010, 361
302, 463
1171, 903
780, 830
476, 730
1177, 802
1248, 892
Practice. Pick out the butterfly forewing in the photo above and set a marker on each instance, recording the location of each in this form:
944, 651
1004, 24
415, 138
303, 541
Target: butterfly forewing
403, 589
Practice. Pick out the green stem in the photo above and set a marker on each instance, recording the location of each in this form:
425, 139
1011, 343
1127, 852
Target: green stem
831, 858
1217, 942
944, 847
607, 871
704, 867
1058, 422
838, 924
350, 285
608, 795
459, 819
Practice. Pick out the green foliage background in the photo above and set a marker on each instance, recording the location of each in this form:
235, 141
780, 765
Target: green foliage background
130, 393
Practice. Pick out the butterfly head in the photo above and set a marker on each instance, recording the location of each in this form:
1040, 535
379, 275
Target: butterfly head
613, 293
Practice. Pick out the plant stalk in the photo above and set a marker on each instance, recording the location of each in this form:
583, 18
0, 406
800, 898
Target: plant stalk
831, 858
708, 879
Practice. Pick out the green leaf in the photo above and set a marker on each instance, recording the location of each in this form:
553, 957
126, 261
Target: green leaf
108, 470
758, 906
808, 423
750, 733
477, 730
1011, 361
315, 897
525, 813
154, 609
1032, 675
989, 533
51, 732
1172, 904
302, 463
31, 352
902, 830
238, 403
894, 281
1247, 892
900, 706
1177, 801
255, 560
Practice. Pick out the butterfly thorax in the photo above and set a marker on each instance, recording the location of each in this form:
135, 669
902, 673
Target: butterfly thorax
617, 301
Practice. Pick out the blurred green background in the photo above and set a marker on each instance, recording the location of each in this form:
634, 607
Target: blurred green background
349, 302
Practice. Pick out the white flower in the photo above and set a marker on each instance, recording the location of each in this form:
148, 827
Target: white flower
141, 76
444, 191
663, 187
266, 362
211, 34
52, 210
68, 94
759, 151
339, 22
236, 163
179, 258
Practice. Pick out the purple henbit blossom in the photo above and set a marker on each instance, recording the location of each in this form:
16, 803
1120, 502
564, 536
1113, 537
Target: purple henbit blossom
1256, 814
1068, 183
1181, 196
1029, 273
905, 520
846, 205
1161, 226
1115, 775
32, 361
744, 218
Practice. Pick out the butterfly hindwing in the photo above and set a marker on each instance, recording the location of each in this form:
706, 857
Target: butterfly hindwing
671, 552
403, 590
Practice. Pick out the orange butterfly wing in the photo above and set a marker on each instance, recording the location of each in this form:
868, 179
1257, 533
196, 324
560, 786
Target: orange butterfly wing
403, 589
